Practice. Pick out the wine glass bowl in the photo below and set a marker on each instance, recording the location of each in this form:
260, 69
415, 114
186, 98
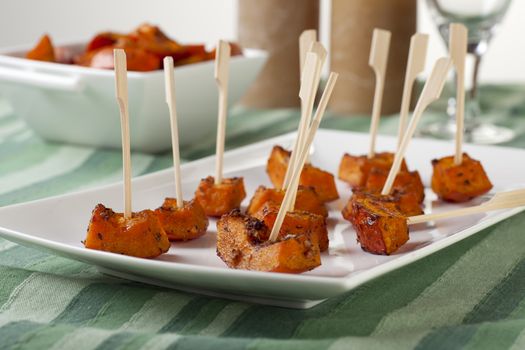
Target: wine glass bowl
481, 17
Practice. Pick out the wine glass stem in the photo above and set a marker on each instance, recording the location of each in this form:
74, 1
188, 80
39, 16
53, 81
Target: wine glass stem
475, 71
472, 108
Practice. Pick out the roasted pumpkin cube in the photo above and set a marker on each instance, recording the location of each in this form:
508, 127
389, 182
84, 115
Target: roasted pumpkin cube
220, 199
459, 183
294, 220
142, 235
43, 51
182, 224
381, 228
408, 182
355, 169
277, 165
405, 203
321, 181
306, 200
242, 243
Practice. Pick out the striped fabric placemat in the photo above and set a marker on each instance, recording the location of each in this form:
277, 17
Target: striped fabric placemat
470, 295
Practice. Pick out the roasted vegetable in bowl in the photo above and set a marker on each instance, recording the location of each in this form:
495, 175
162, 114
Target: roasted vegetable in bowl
145, 49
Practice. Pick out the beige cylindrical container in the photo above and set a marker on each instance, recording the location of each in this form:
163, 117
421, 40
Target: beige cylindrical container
351, 34
275, 26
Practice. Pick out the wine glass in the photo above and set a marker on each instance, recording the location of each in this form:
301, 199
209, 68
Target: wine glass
481, 17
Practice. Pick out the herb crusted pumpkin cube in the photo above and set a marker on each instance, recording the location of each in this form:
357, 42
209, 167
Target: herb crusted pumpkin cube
321, 181
182, 224
220, 199
242, 243
459, 183
141, 235
296, 220
381, 228
306, 200
355, 170
408, 182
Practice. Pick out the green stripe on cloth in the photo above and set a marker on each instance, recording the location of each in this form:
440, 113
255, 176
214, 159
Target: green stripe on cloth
115, 341
137, 341
209, 343
292, 344
122, 306
100, 167
502, 300
205, 316
496, 335
10, 279
21, 256
32, 294
497, 304
224, 319
85, 306
15, 156
44, 337
15, 332
448, 338
161, 342
158, 311
185, 315
83, 338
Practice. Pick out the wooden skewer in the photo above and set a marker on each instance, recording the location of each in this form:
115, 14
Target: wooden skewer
305, 150
306, 39
430, 93
170, 100
289, 196
222, 63
321, 52
416, 63
458, 42
306, 93
504, 200
121, 78
378, 60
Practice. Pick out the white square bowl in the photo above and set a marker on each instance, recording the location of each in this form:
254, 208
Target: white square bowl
74, 104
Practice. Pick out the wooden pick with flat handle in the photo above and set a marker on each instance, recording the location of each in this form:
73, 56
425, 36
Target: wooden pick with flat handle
121, 85
222, 64
289, 196
458, 41
309, 135
306, 39
502, 200
321, 52
307, 95
416, 63
378, 60
170, 100
430, 93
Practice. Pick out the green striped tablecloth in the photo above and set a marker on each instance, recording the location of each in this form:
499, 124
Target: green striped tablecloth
469, 295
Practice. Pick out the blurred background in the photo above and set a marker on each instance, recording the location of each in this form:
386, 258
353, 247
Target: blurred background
23, 21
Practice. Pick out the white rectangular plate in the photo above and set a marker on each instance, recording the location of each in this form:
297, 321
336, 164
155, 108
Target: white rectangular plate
59, 224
